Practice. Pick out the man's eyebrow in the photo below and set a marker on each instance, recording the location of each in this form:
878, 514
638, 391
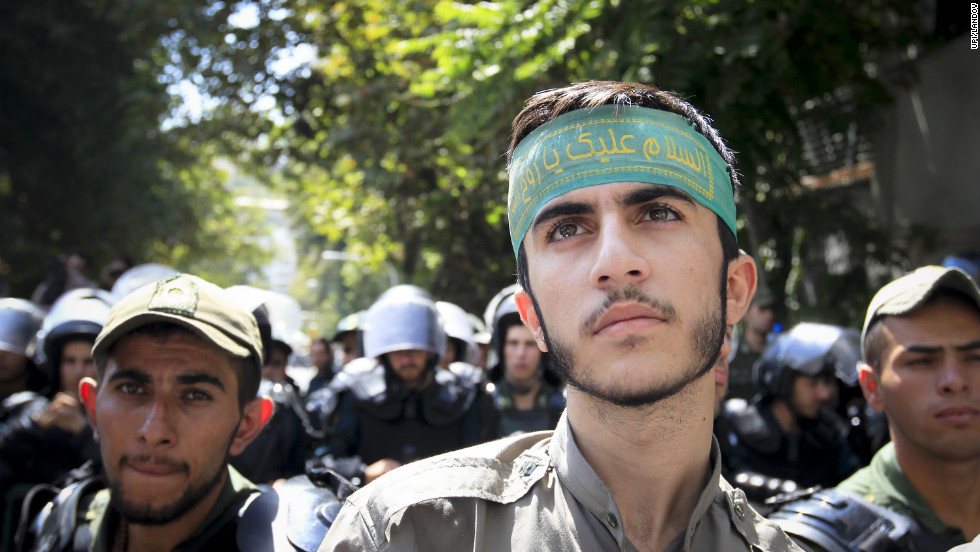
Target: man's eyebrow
653, 192
561, 209
130, 374
969, 346
932, 349
197, 379
923, 349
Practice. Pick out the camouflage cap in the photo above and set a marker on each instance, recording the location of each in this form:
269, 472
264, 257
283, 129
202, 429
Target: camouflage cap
187, 301
907, 293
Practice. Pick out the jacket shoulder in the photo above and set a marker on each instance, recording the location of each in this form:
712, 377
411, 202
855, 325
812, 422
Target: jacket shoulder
500, 471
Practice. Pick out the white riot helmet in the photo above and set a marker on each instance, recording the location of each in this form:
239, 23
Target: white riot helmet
284, 313
77, 314
403, 321
139, 276
458, 326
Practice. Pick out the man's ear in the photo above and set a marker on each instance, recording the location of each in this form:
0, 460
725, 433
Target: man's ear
87, 391
870, 386
254, 417
530, 317
741, 284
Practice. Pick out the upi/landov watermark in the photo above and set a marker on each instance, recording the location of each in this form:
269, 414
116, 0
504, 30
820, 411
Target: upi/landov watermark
974, 27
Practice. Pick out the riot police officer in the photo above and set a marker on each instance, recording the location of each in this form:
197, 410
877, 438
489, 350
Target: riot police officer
790, 437
527, 394
462, 353
394, 406
57, 437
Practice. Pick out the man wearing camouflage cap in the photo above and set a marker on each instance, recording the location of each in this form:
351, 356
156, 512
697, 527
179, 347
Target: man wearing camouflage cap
921, 348
622, 219
178, 368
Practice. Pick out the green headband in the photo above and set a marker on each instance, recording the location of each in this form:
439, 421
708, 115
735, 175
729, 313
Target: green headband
613, 143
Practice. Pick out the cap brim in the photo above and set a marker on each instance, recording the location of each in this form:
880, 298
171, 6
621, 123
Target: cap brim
202, 329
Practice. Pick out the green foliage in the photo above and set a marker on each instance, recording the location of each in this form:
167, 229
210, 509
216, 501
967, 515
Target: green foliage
389, 144
84, 158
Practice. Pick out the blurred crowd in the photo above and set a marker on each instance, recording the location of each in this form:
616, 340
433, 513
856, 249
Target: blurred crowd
413, 376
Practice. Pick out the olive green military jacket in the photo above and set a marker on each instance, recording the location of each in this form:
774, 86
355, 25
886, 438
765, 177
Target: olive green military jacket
884, 483
532, 492
103, 520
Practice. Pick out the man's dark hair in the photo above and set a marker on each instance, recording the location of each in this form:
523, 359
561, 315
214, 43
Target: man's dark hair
874, 337
546, 106
248, 377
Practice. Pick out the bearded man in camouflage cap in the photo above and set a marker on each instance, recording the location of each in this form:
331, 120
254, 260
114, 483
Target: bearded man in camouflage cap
178, 369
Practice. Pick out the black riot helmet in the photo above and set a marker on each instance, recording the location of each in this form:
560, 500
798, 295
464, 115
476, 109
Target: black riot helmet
808, 349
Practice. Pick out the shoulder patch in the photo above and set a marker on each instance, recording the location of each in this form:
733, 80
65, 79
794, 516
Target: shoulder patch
501, 471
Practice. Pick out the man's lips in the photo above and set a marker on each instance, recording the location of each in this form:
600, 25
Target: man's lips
626, 318
154, 468
959, 414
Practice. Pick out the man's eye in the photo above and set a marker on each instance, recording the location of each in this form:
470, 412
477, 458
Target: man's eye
564, 230
130, 388
662, 213
197, 395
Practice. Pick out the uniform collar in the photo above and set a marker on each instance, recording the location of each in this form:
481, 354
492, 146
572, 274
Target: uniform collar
106, 518
895, 489
577, 475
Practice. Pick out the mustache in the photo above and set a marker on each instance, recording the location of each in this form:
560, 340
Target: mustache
630, 292
164, 461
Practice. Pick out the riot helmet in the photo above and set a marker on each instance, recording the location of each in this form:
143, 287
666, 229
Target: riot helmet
459, 331
279, 317
407, 290
76, 316
139, 276
501, 313
403, 321
350, 336
19, 322
808, 349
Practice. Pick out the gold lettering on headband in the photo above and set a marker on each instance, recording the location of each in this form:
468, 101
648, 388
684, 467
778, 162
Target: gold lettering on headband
648, 148
604, 154
684, 157
544, 159
583, 139
530, 179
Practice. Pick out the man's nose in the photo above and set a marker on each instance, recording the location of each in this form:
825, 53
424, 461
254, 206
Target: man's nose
619, 259
157, 428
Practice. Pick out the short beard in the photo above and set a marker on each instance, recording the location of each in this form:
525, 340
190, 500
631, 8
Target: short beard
707, 338
144, 514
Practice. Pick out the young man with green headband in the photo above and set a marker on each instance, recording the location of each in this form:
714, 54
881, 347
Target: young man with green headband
622, 217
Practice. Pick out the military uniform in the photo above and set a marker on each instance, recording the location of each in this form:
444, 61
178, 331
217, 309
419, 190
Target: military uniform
549, 403
907, 521
96, 522
882, 482
528, 492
